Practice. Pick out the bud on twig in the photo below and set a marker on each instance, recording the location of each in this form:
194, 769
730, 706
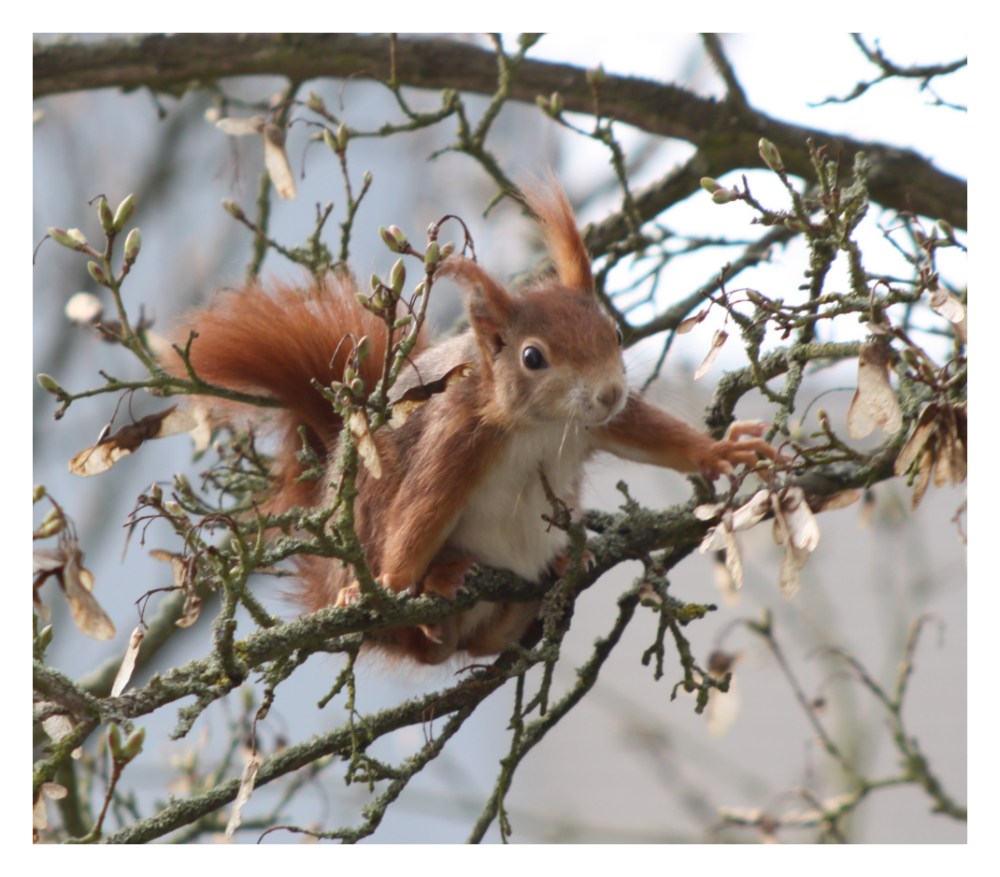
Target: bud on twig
725, 196
105, 215
115, 742
394, 238
72, 238
97, 272
315, 103
133, 243
133, 743
124, 212
772, 158
397, 277
233, 209
48, 383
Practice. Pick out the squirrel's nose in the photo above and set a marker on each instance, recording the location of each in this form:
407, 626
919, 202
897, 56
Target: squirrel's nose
610, 397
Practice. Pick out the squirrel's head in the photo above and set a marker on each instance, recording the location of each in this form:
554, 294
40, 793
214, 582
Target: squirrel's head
550, 352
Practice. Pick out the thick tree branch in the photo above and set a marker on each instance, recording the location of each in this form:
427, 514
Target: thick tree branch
726, 134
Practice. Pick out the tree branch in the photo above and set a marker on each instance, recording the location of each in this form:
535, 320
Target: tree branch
901, 179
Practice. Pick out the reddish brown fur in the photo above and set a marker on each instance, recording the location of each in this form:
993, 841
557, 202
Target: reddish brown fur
440, 462
276, 343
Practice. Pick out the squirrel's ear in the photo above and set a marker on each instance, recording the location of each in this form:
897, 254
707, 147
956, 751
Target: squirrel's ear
490, 307
552, 211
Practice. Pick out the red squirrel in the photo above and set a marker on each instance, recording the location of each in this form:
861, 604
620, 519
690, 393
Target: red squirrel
460, 482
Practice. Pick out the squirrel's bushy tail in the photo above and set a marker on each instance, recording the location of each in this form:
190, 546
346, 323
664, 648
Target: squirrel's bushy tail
277, 342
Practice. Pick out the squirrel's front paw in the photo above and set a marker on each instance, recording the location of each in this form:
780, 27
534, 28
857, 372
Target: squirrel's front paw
742, 445
446, 579
348, 595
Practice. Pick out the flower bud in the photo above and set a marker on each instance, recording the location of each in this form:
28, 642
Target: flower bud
105, 215
37, 492
343, 135
725, 196
97, 272
133, 743
233, 209
45, 637
48, 383
133, 243
710, 185
72, 238
447, 249
315, 103
555, 104
115, 742
597, 77
329, 139
769, 152
363, 347
397, 277
433, 255
124, 212
394, 238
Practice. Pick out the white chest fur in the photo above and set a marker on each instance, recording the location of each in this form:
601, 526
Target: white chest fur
502, 524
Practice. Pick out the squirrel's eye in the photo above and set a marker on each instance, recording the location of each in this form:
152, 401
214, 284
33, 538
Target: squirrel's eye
618, 332
533, 358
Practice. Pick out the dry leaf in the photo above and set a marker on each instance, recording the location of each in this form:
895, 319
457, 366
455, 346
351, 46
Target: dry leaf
358, 423
183, 569
724, 581
201, 435
721, 538
275, 157
802, 527
723, 706
839, 500
110, 449
709, 511
792, 563
40, 817
687, 324
128, 662
915, 443
750, 513
276, 161
796, 529
938, 447
418, 396
734, 563
78, 583
875, 402
718, 339
241, 127
58, 726
948, 305
243, 795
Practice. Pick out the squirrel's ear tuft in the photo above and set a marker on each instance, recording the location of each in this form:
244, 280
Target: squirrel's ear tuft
552, 210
